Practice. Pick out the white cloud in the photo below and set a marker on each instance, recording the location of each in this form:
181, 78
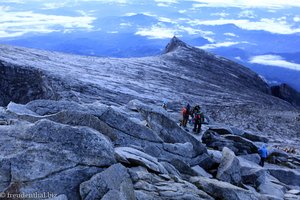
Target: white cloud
269, 25
230, 34
192, 31
149, 14
217, 45
156, 32
182, 11
165, 19
20, 23
247, 14
222, 14
126, 24
54, 5
4, 8
274, 60
296, 19
113, 32
274, 4
163, 5
105, 1
130, 14
15, 1
166, 1
238, 58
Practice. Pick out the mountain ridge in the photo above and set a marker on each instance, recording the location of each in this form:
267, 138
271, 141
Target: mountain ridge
185, 74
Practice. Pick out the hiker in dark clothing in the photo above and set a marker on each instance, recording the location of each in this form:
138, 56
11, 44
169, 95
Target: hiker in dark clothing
199, 119
194, 110
164, 105
185, 114
263, 152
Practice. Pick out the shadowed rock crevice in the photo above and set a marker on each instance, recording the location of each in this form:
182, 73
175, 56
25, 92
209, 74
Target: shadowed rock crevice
21, 85
287, 93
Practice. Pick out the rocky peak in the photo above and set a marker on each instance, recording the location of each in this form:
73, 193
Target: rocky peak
174, 44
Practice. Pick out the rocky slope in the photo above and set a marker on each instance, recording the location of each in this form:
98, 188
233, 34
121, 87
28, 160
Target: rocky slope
93, 128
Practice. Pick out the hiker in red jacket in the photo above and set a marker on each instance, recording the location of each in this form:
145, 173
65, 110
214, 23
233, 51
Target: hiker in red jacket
185, 114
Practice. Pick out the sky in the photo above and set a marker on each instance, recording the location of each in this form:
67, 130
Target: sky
20, 18
36, 16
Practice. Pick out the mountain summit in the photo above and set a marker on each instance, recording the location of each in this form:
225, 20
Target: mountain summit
173, 44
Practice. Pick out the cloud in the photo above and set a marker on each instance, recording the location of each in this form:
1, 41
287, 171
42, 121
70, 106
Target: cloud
157, 32
238, 58
103, 1
126, 24
166, 1
217, 45
222, 14
165, 19
296, 19
270, 25
112, 32
193, 31
274, 60
15, 1
230, 34
163, 5
54, 5
130, 14
247, 14
271, 4
19, 23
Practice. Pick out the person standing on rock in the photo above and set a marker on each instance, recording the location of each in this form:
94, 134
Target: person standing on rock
263, 152
164, 105
185, 114
199, 119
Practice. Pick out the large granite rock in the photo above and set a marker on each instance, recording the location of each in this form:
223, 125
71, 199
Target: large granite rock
161, 187
133, 156
45, 152
223, 190
113, 183
272, 189
167, 128
237, 144
286, 176
229, 169
255, 137
255, 158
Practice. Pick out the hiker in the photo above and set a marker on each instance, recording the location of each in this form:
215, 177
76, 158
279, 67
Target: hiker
263, 152
192, 113
185, 114
164, 105
199, 119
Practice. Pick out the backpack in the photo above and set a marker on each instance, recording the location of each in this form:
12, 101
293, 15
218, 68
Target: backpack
184, 111
199, 117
